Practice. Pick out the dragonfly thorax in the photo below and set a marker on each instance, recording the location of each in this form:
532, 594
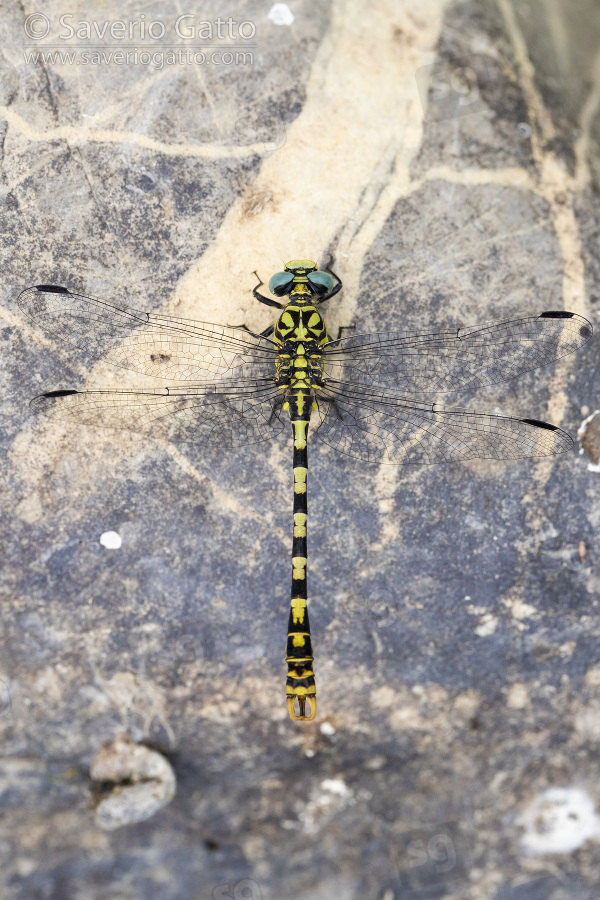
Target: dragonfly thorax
300, 335
300, 322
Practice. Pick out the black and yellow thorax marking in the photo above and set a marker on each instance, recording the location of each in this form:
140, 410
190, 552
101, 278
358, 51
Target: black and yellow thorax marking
300, 335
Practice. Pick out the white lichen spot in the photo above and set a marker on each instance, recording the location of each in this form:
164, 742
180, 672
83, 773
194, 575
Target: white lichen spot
559, 820
474, 523
567, 649
517, 696
475, 610
327, 728
521, 610
487, 625
332, 795
407, 719
383, 697
592, 676
466, 703
336, 786
281, 14
587, 721
30, 509
111, 540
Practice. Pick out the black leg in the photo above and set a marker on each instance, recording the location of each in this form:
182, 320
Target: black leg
336, 409
343, 328
333, 292
266, 333
276, 409
262, 299
331, 345
337, 288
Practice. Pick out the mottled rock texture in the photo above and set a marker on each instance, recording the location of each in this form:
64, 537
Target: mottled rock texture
455, 614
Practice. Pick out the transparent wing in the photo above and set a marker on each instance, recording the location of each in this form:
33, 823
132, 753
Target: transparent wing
169, 347
229, 414
376, 427
427, 362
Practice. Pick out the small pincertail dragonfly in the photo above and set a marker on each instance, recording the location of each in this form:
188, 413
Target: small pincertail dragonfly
238, 388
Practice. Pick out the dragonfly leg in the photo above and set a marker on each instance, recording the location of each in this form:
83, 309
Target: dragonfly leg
245, 327
343, 328
337, 288
336, 409
276, 409
266, 333
268, 301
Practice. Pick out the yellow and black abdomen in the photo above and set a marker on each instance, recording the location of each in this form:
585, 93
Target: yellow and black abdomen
300, 682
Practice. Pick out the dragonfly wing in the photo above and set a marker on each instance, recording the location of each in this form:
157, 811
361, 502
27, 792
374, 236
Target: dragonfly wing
165, 346
376, 427
228, 414
428, 362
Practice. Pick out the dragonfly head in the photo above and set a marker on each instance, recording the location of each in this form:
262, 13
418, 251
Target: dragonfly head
301, 276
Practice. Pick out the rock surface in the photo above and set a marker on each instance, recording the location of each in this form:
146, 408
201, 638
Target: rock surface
447, 155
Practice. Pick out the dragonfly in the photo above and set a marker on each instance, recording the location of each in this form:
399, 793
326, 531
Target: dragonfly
369, 393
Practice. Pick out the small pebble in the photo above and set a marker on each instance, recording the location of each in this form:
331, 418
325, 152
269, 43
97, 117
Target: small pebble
144, 783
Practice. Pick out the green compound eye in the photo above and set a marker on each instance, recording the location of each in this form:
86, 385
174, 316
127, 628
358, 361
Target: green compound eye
321, 282
280, 283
